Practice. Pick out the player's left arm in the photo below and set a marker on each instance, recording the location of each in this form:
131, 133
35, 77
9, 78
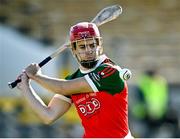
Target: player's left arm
79, 85
64, 87
88, 83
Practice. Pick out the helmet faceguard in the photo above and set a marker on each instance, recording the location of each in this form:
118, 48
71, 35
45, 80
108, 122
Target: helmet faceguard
84, 33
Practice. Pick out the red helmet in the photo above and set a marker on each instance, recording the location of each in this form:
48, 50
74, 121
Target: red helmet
83, 30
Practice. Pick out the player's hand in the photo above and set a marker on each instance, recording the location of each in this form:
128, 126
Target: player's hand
24, 81
32, 70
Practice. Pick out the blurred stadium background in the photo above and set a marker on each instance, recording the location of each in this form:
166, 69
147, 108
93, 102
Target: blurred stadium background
145, 36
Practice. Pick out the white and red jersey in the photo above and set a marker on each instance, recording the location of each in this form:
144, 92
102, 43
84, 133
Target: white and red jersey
104, 112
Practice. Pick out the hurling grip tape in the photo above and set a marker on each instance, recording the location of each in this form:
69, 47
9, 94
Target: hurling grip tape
46, 60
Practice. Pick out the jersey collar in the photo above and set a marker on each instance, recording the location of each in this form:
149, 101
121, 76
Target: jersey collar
101, 59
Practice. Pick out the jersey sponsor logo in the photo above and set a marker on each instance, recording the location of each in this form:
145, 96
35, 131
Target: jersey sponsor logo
90, 107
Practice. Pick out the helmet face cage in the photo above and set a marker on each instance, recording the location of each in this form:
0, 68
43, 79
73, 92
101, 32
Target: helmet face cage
83, 32
97, 51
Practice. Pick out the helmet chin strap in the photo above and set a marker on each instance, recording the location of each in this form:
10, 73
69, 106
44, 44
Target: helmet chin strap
88, 64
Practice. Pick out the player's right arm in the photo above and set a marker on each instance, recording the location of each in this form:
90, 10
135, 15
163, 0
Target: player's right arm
48, 113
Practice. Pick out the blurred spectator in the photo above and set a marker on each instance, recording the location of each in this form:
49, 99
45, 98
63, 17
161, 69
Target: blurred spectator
151, 107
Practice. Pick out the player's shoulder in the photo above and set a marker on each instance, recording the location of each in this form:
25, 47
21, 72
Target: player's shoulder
107, 70
108, 65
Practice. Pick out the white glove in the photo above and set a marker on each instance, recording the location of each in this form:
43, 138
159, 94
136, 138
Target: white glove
125, 74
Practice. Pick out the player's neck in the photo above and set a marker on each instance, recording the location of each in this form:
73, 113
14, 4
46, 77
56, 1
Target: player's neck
86, 70
83, 68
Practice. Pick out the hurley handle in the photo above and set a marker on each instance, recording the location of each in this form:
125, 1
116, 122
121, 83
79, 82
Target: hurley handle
42, 63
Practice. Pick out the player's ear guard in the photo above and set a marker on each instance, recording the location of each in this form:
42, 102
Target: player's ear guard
125, 74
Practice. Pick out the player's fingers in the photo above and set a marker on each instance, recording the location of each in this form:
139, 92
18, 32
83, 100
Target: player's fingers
33, 66
24, 80
32, 70
19, 77
24, 76
19, 84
